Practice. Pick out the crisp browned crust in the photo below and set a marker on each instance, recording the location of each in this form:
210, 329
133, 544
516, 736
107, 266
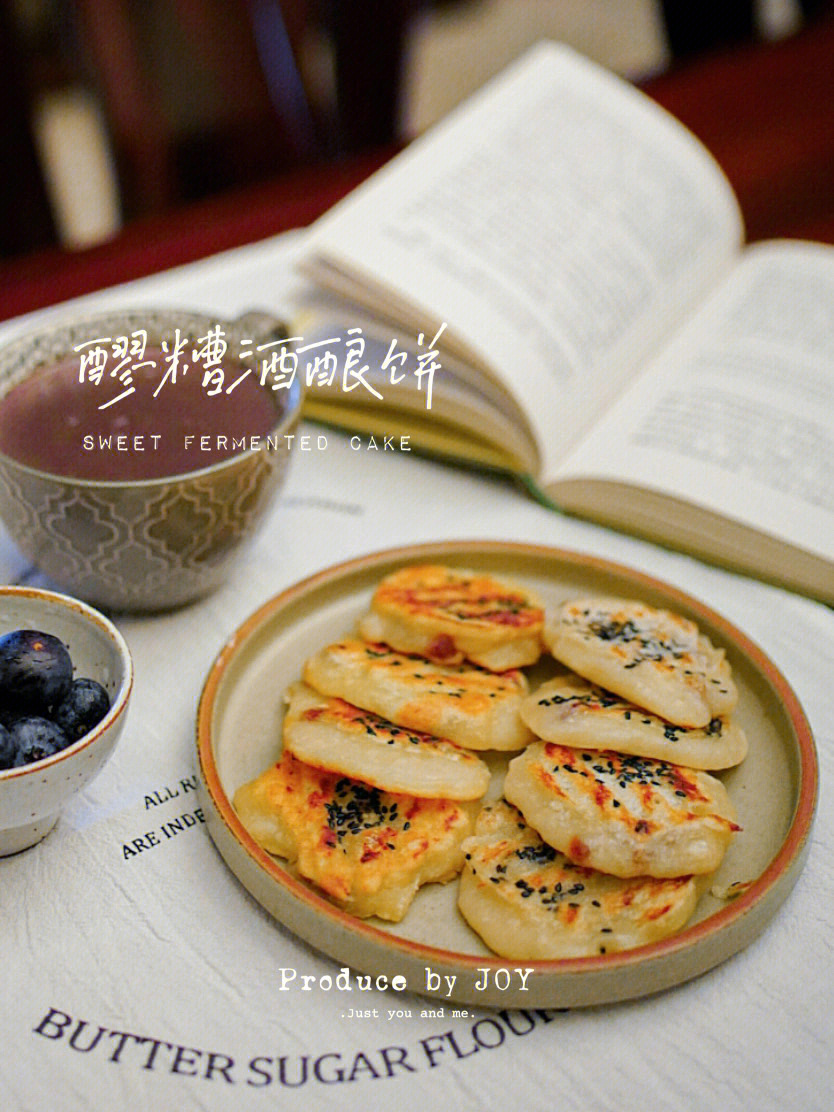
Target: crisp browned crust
652, 657
528, 901
571, 711
368, 850
629, 816
340, 737
450, 615
470, 706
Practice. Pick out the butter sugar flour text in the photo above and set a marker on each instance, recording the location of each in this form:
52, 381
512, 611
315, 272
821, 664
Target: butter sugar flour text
465, 1040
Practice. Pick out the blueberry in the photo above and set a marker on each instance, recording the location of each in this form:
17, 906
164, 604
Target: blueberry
35, 738
82, 707
8, 749
35, 671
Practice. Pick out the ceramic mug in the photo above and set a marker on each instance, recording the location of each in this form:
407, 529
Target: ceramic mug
142, 544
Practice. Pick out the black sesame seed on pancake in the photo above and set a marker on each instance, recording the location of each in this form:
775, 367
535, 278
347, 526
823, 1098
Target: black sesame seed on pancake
630, 816
652, 657
571, 711
340, 737
528, 901
367, 850
468, 705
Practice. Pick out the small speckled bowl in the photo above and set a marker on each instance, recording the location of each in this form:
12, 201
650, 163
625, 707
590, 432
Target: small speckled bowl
32, 796
150, 544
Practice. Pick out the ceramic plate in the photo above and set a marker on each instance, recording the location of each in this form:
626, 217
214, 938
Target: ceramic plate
238, 736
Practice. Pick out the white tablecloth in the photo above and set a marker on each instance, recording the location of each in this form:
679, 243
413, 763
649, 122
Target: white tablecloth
149, 980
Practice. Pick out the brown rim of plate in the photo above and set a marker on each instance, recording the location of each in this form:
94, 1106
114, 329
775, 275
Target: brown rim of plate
792, 848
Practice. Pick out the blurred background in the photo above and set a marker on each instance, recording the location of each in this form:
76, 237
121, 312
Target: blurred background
112, 110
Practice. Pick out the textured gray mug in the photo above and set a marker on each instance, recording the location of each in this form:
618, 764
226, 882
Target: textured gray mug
141, 544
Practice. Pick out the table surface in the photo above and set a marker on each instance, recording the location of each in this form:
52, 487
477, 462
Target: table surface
148, 979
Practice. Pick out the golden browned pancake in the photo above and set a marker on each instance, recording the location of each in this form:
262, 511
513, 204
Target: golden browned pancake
630, 816
572, 711
652, 657
343, 738
528, 901
468, 705
449, 615
368, 850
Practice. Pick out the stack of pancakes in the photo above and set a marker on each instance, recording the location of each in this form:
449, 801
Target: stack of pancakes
609, 819
379, 784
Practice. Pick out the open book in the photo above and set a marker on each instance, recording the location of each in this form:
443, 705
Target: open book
607, 337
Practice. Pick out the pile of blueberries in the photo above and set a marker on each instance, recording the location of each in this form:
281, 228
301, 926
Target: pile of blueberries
42, 708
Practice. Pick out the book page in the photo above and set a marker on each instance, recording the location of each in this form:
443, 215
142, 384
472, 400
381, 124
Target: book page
737, 415
559, 222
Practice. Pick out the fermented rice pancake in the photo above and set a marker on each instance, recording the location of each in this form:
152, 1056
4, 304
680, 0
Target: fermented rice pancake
368, 850
654, 658
340, 737
468, 705
528, 901
572, 711
630, 816
450, 615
